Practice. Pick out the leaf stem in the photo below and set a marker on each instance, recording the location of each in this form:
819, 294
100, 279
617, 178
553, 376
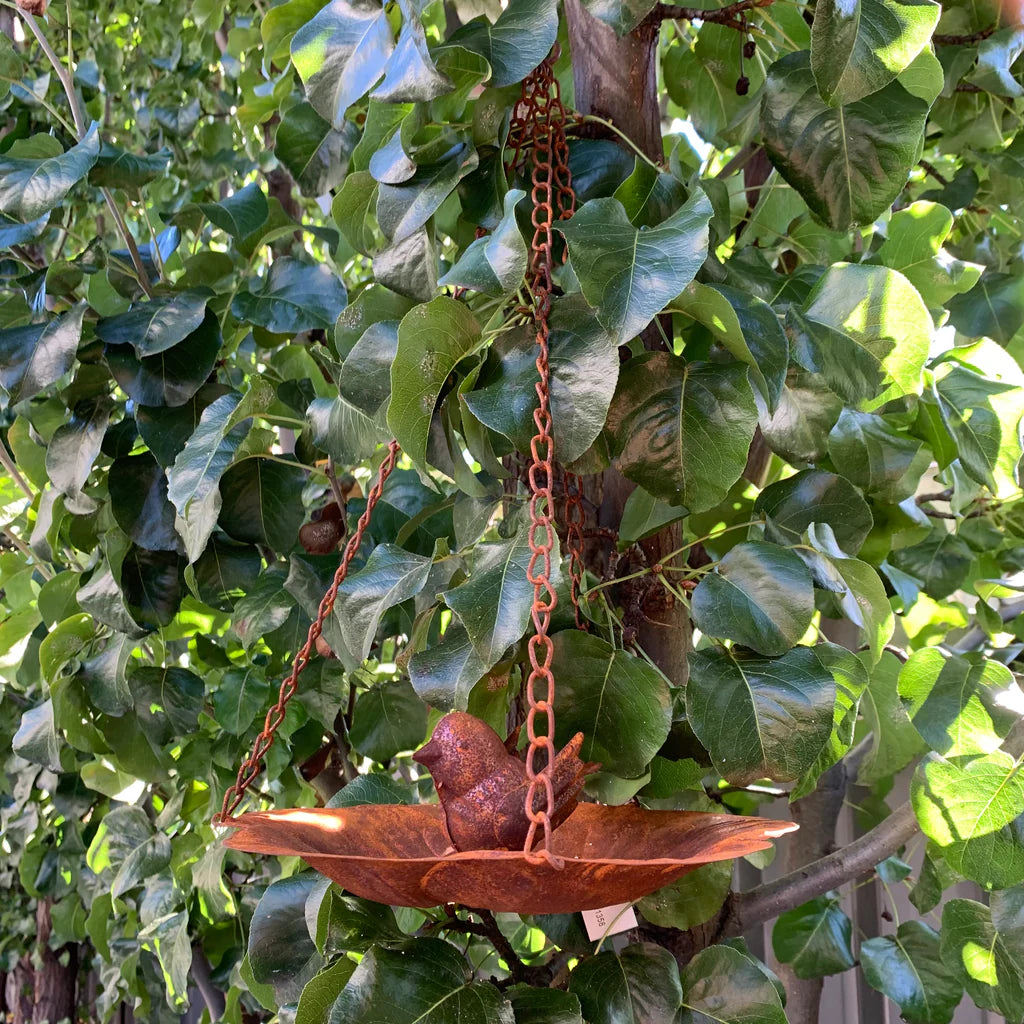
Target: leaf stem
64, 74
594, 119
44, 570
15, 474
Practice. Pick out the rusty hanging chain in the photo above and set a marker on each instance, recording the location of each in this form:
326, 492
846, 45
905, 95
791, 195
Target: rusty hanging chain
250, 768
540, 120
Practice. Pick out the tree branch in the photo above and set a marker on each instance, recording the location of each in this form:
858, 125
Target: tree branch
64, 74
973, 37
754, 907
730, 16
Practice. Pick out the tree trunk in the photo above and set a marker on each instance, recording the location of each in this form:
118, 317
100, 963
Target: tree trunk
616, 79
55, 983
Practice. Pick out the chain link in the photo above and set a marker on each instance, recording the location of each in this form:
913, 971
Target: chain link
540, 120
251, 767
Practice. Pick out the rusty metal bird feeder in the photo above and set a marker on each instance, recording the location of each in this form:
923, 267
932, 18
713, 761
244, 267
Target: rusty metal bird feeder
598, 856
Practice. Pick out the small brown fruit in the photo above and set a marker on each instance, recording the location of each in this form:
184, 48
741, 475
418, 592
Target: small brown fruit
742, 85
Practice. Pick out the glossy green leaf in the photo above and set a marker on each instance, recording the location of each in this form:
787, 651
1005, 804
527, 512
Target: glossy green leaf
691, 901
240, 699
879, 459
960, 704
365, 379
36, 356
36, 737
857, 49
977, 955
650, 196
640, 985
445, 674
894, 740
627, 274
340, 54
814, 496
409, 267
170, 377
72, 451
321, 991
410, 75
315, 153
940, 563
423, 981
907, 968
240, 214
913, 246
723, 986
157, 325
432, 339
389, 718
167, 701
814, 939
127, 845
494, 603
993, 309
138, 499
969, 807
544, 1006
520, 38
31, 187
619, 702
760, 596
391, 575
760, 717
682, 430
192, 482
265, 606
848, 162
261, 503
344, 431
293, 297
117, 168
496, 263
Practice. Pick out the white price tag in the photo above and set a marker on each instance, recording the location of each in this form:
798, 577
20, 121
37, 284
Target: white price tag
609, 921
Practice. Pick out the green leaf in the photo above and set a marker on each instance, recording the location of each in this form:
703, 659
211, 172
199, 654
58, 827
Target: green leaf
343, 431
192, 482
388, 719
167, 701
138, 500
622, 15
168, 939
722, 986
423, 981
807, 410
496, 263
969, 807
866, 331
31, 187
894, 741
940, 563
157, 325
645, 514
996, 57
814, 939
265, 606
315, 153
409, 267
682, 430
261, 503
907, 968
117, 168
340, 53
960, 704
391, 575
354, 211
225, 571
494, 603
640, 985
913, 246
584, 365
544, 1006
365, 379
36, 738
126, 844
371, 789
170, 377
38, 355
650, 196
619, 702
281, 953
242, 695
790, 506
410, 76
432, 339
980, 957
516, 43
993, 309
240, 214
848, 162
859, 48
72, 451
293, 297
879, 459
760, 596
692, 900
321, 991
166, 430
627, 274
445, 674
760, 717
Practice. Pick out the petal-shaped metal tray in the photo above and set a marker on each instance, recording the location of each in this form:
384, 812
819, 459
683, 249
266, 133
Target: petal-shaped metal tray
396, 854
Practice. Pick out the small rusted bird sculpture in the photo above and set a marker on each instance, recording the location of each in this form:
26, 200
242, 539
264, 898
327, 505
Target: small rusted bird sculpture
482, 787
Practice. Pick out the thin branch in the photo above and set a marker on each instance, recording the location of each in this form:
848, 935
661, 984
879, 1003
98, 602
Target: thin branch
81, 128
488, 929
754, 907
44, 570
12, 470
730, 16
973, 37
940, 178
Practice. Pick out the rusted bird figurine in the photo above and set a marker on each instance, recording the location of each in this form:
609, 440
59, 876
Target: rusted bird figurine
482, 787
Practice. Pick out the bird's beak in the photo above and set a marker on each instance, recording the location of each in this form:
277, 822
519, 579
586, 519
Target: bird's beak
428, 754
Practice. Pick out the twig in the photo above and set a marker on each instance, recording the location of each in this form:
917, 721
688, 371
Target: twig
940, 178
967, 87
973, 37
64, 74
339, 494
44, 570
8, 463
729, 16
488, 929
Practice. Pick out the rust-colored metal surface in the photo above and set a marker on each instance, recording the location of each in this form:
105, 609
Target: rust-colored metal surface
401, 854
482, 786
